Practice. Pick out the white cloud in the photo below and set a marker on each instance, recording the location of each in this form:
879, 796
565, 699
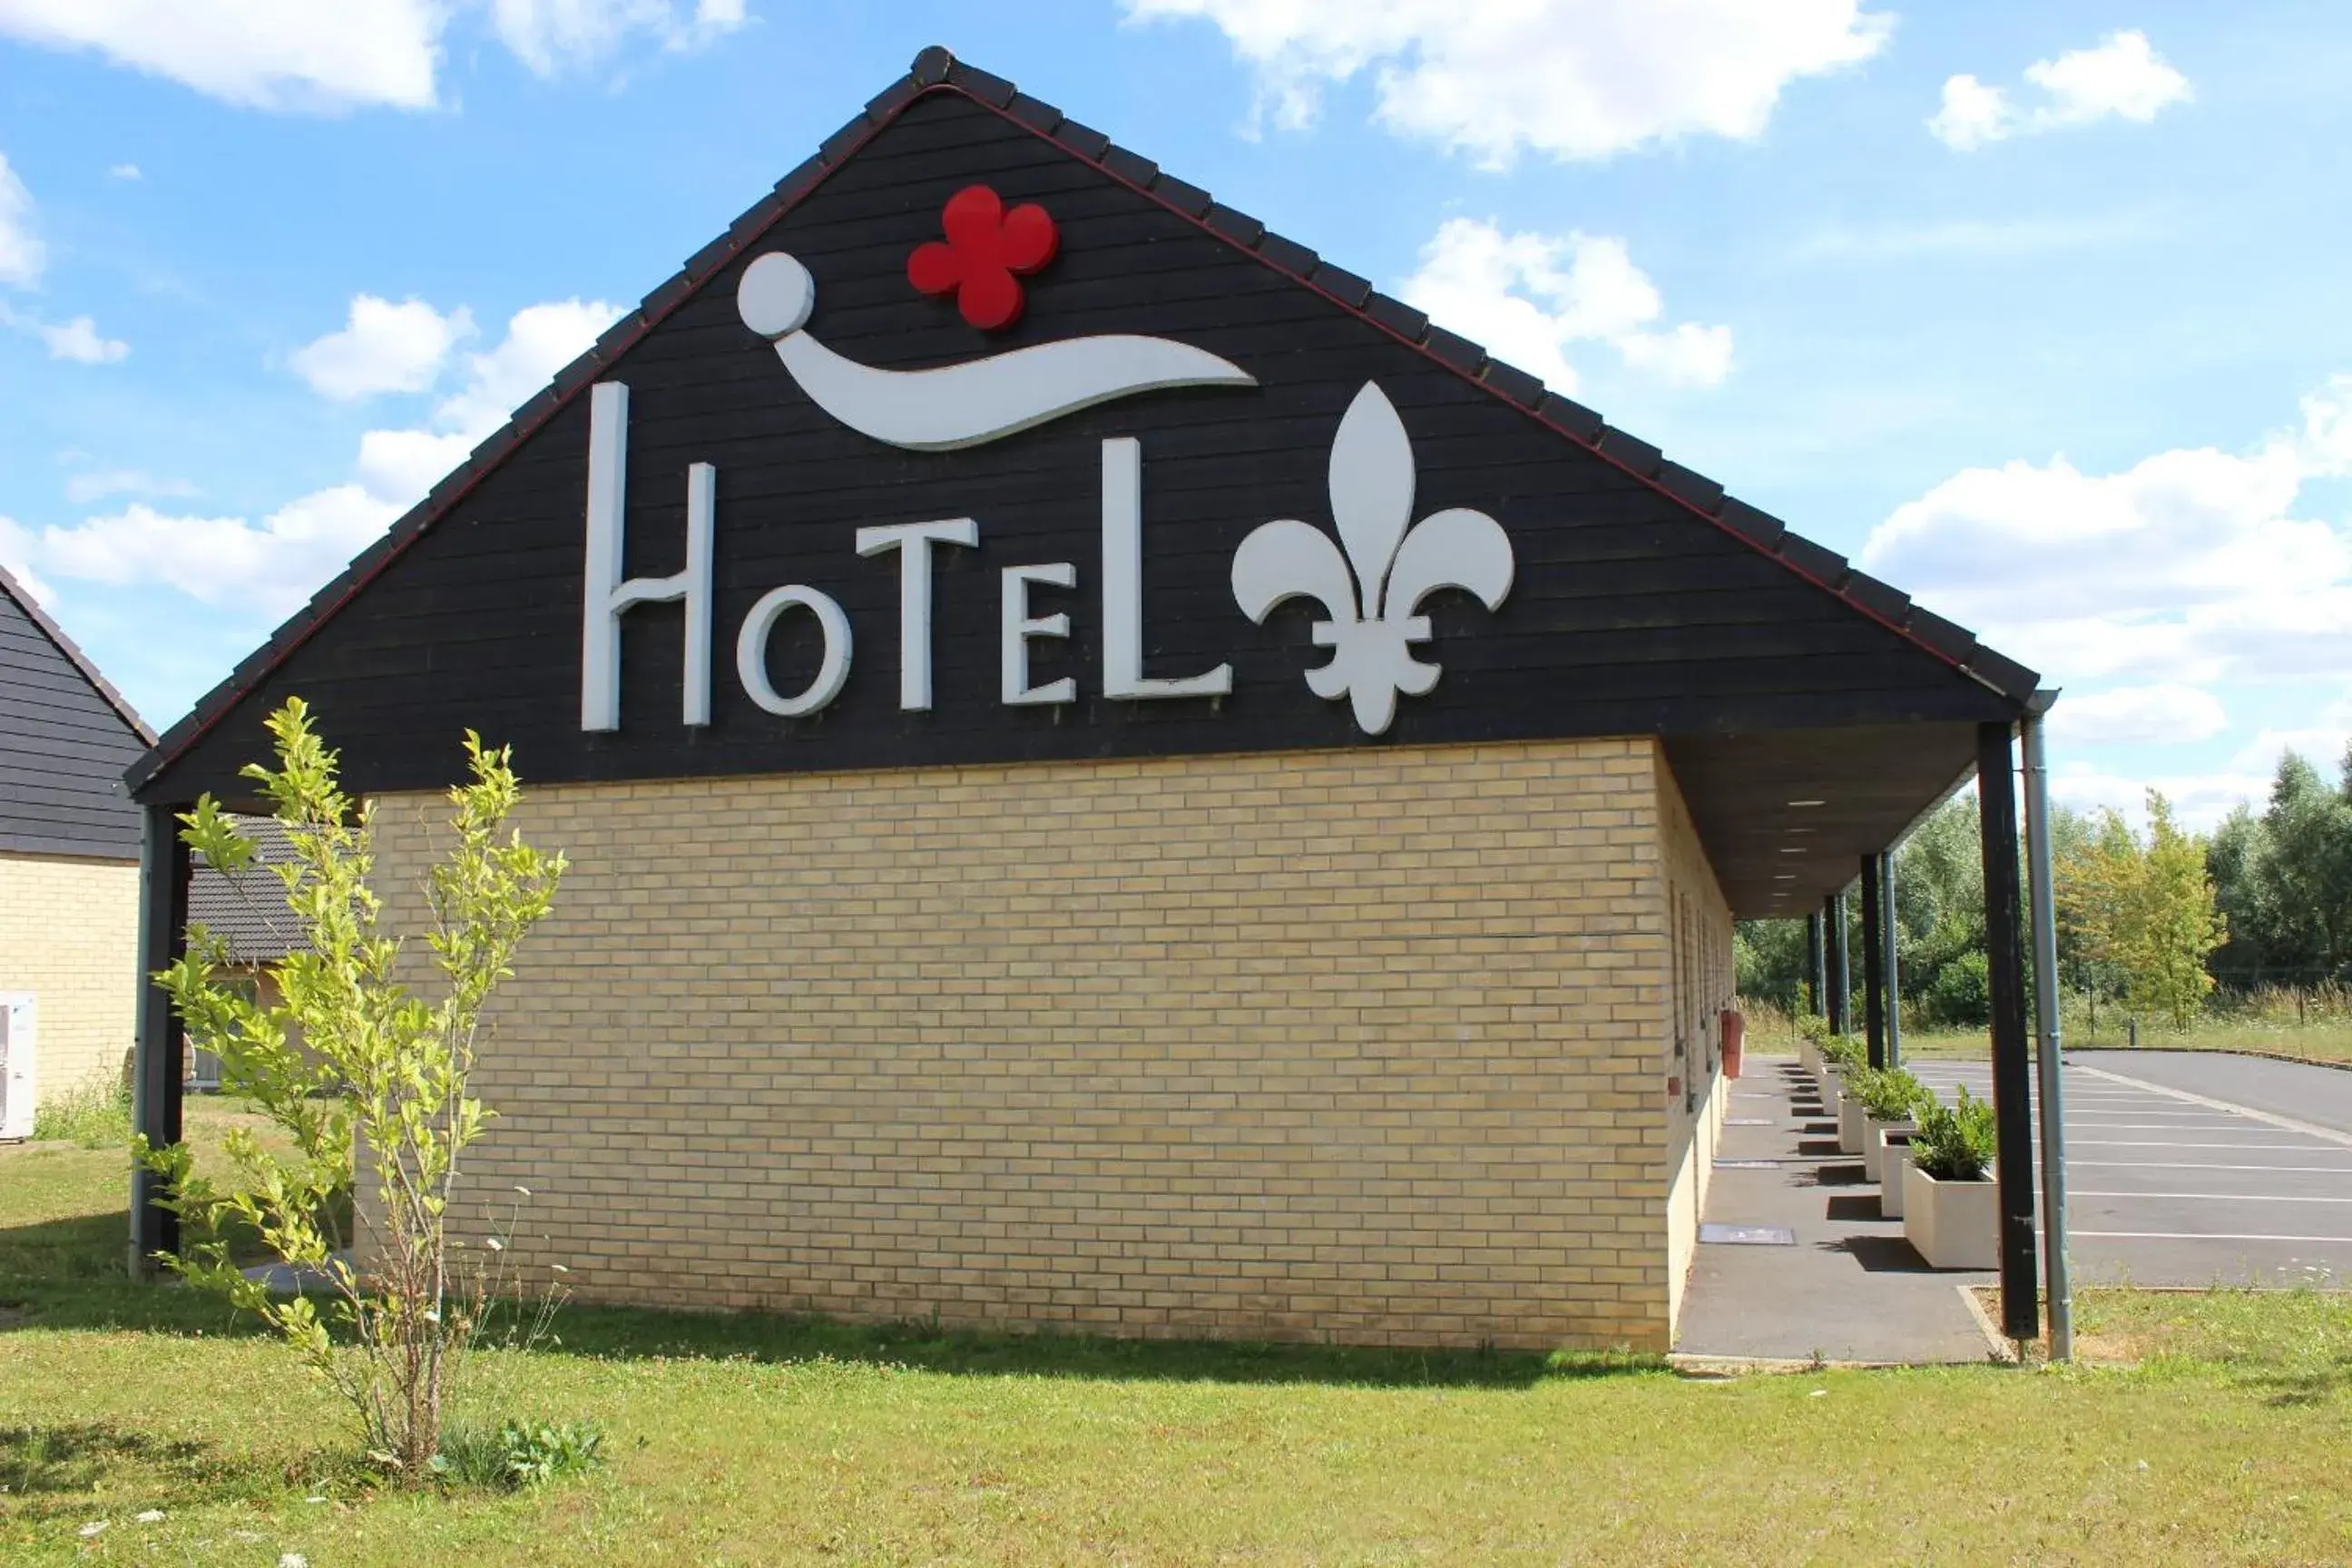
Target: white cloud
79, 340
2121, 79
83, 488
16, 556
2321, 742
308, 55
266, 568
22, 255
539, 340
2143, 715
1573, 78
1527, 297
259, 54
269, 568
550, 35
2188, 567
124, 172
2199, 800
383, 347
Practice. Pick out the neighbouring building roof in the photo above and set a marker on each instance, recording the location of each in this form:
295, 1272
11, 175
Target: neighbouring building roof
248, 913
66, 737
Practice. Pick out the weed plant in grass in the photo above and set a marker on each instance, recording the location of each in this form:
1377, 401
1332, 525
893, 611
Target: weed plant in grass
96, 1116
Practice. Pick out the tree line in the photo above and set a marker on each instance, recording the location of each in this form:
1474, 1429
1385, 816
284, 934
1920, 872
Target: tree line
2153, 921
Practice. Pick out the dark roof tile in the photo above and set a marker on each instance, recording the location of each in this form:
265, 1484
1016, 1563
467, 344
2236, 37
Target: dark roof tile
985, 86
1396, 316
1751, 524
1513, 382
1237, 226
1694, 489
1825, 566
1084, 140
1881, 599
1571, 417
1341, 285
1635, 454
1455, 350
1134, 168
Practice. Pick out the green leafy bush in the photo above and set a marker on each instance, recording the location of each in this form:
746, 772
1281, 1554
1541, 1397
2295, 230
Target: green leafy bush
1960, 996
517, 1454
1955, 1144
96, 1116
1813, 1026
1889, 1094
1845, 1051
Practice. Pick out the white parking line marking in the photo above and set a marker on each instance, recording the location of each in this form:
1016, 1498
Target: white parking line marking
2160, 1126
2200, 1166
2163, 1143
2200, 1236
2217, 1198
2288, 1122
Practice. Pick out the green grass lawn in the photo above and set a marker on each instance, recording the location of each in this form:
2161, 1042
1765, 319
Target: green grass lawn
746, 1439
2322, 1040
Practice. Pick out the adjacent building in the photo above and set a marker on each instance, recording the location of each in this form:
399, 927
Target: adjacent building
69, 866
1117, 777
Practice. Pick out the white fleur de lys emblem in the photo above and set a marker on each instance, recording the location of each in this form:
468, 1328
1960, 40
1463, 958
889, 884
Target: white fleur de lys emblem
1374, 620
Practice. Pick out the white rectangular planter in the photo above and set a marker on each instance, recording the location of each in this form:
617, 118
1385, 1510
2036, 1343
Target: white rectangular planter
1954, 1225
1809, 1056
1893, 1159
1851, 1118
1874, 1148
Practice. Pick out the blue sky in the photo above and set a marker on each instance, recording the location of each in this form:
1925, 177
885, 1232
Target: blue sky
2038, 311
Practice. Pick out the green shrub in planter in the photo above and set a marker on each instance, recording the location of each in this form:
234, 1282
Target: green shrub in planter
1889, 1094
1845, 1051
1955, 1144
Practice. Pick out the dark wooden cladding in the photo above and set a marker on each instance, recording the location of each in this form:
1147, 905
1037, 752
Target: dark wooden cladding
1630, 613
64, 744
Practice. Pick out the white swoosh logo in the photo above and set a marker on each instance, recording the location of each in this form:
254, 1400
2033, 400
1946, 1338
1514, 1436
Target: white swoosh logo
963, 405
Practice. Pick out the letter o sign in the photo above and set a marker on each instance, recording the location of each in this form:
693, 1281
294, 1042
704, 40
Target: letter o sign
752, 650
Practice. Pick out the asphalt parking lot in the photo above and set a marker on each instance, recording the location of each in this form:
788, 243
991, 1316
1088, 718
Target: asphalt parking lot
2198, 1168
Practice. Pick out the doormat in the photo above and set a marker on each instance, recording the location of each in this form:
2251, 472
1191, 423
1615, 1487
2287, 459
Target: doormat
1746, 1236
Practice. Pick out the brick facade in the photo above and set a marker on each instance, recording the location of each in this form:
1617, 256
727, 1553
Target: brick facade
69, 934
1702, 983
1369, 1045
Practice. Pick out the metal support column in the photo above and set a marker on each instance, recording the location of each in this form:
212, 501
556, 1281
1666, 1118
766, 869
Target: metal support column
2047, 1058
1892, 939
1841, 973
2011, 1071
1874, 964
155, 1077
1816, 985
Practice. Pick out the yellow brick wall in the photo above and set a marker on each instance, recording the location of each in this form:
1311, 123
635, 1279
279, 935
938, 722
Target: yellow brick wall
1363, 1044
1703, 978
69, 934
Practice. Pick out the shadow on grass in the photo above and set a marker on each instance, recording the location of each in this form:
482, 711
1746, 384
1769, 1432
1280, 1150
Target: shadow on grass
619, 1333
68, 1275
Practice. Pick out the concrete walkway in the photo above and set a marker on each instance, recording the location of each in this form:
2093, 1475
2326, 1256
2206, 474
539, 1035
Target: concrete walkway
1850, 1288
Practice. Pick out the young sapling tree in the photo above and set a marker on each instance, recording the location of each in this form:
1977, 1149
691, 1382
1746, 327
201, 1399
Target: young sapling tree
360, 1074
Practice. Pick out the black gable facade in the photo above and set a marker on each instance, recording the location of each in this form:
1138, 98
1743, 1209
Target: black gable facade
66, 737
1643, 600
